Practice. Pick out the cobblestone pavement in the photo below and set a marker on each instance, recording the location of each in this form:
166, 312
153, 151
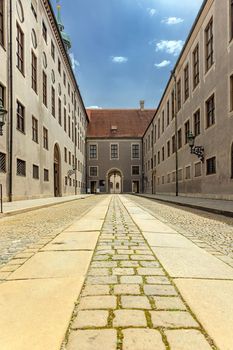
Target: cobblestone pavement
128, 302
22, 231
212, 232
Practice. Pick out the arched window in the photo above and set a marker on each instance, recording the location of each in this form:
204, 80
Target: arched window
232, 160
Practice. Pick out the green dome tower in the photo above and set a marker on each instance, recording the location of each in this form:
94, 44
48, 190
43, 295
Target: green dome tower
65, 37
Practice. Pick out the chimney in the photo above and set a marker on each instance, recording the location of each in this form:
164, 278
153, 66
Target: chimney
142, 104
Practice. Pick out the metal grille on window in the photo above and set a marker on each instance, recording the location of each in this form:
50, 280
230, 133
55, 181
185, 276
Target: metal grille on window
21, 167
2, 162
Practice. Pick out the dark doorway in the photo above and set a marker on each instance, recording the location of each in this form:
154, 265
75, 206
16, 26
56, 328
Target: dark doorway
135, 186
56, 167
93, 186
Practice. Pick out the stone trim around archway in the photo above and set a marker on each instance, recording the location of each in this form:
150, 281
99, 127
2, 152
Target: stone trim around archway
109, 173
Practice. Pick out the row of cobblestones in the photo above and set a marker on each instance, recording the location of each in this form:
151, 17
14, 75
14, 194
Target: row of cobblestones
128, 302
23, 231
209, 231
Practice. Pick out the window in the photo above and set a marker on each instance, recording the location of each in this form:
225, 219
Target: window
158, 128
59, 111
188, 172
45, 138
186, 131
69, 89
135, 170
21, 167
65, 154
35, 172
93, 171
231, 19
46, 175
197, 123
34, 71
34, 8
168, 149
196, 74
114, 151
69, 157
65, 124
135, 151
168, 112
44, 89
163, 122
163, 154
34, 129
197, 169
210, 111
179, 138
186, 82
211, 166
69, 130
59, 66
179, 94
155, 133
2, 162
173, 144
93, 151
53, 101
173, 104
44, 32
2, 21
20, 117
180, 174
64, 78
209, 45
158, 157
231, 92
52, 50
231, 161
2, 94
20, 49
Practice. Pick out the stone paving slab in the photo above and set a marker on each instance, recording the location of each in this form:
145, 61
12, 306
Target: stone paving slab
73, 241
30, 310
86, 225
186, 339
54, 265
192, 262
212, 303
167, 240
142, 339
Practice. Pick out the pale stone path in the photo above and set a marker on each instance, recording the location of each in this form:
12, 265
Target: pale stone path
128, 301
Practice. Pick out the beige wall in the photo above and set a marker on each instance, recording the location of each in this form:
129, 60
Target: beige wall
23, 146
218, 138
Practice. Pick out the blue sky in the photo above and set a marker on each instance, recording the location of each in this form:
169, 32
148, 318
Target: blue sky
124, 50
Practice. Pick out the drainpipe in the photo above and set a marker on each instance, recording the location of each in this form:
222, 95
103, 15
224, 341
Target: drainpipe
10, 100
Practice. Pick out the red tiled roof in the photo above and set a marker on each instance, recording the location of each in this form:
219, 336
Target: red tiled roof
110, 123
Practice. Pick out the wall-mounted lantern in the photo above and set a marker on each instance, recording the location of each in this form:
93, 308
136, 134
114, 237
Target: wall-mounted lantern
197, 150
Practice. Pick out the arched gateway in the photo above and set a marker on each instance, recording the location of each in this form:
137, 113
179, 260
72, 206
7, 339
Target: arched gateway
57, 171
114, 180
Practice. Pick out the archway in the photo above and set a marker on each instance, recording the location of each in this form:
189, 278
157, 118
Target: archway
114, 181
57, 171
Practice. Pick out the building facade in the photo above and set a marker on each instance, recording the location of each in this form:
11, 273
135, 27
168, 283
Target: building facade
198, 101
114, 150
42, 150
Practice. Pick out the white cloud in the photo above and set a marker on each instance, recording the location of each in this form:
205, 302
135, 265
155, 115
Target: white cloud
172, 47
162, 64
119, 59
151, 12
172, 20
93, 107
74, 62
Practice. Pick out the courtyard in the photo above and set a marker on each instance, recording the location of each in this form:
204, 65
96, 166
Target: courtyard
116, 271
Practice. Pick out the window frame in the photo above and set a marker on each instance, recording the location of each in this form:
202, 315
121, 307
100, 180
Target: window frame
45, 138
2, 20
35, 130
197, 123
45, 89
133, 151
93, 151
33, 71
209, 45
186, 82
211, 169
210, 113
20, 123
19, 48
196, 67
114, 151
133, 167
